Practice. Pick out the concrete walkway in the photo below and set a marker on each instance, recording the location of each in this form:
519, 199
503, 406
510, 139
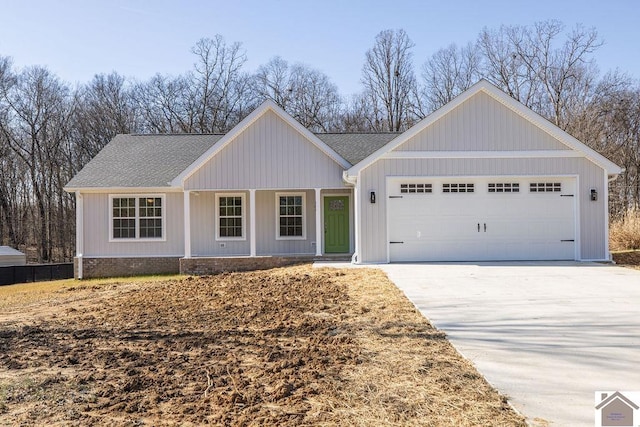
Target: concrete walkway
548, 335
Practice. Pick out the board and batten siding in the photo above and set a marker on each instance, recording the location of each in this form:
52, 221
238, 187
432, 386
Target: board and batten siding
96, 230
203, 228
266, 242
269, 154
592, 216
481, 124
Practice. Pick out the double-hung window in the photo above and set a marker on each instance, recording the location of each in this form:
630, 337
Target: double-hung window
230, 223
137, 217
290, 223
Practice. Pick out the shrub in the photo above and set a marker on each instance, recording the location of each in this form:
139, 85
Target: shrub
624, 233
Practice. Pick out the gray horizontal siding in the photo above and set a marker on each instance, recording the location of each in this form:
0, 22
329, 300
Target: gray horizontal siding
481, 123
96, 230
374, 221
269, 154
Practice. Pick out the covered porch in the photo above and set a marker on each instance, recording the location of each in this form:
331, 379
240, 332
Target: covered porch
254, 227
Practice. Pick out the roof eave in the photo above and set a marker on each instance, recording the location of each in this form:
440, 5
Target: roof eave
115, 189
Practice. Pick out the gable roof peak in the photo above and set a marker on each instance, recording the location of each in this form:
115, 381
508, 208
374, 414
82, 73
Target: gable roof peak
503, 98
266, 106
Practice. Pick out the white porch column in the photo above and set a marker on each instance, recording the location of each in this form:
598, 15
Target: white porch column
187, 224
252, 222
79, 231
357, 259
319, 229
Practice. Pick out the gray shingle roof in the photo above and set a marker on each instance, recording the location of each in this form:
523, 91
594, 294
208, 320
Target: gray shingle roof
142, 160
354, 147
149, 161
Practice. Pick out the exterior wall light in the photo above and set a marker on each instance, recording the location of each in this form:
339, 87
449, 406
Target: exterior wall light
594, 195
372, 197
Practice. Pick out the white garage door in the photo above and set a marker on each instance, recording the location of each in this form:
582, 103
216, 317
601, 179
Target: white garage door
481, 219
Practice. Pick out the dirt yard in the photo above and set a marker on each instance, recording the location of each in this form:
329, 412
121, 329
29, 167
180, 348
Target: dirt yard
629, 259
288, 347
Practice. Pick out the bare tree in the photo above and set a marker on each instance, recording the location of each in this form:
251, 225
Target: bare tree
449, 72
551, 76
389, 80
307, 94
217, 85
504, 66
356, 115
212, 97
105, 108
162, 105
35, 126
273, 81
611, 125
565, 73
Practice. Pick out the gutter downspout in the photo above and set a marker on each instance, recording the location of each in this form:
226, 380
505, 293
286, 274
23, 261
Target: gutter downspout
79, 231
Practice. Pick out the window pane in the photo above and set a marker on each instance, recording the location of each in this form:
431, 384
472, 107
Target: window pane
124, 223
290, 216
230, 216
150, 217
124, 214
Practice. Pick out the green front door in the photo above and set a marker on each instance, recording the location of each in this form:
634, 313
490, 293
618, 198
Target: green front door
336, 224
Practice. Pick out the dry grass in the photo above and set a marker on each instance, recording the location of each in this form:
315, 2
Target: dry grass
410, 375
289, 347
624, 233
22, 294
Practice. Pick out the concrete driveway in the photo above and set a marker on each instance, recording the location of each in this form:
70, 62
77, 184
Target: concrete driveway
548, 335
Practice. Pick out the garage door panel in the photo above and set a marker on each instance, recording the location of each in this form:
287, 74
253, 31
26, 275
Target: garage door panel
483, 225
458, 249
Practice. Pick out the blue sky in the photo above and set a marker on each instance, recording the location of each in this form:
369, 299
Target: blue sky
77, 39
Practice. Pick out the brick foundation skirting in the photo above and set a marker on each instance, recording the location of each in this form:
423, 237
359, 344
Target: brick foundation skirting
117, 267
204, 266
122, 267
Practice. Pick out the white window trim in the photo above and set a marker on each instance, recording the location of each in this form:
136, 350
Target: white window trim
138, 238
304, 216
244, 217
